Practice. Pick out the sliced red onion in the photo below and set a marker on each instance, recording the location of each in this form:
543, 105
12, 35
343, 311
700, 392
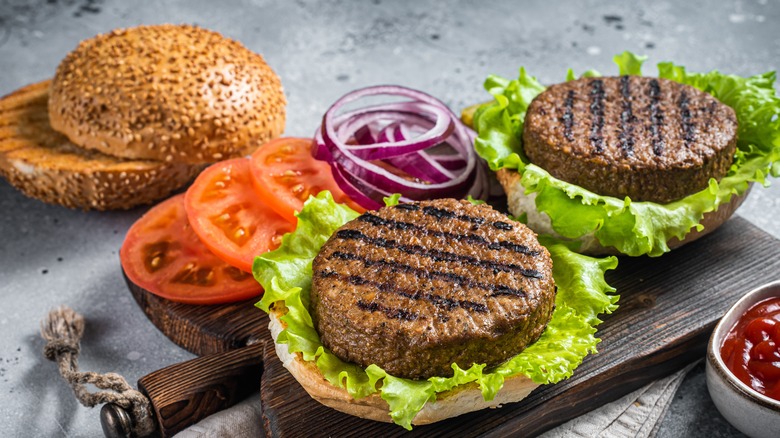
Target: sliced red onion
370, 148
420, 164
417, 164
404, 113
364, 136
353, 192
450, 162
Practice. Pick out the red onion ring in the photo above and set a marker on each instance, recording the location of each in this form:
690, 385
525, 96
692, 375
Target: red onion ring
418, 148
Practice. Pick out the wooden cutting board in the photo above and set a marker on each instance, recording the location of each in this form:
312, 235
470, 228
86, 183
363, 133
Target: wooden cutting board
668, 308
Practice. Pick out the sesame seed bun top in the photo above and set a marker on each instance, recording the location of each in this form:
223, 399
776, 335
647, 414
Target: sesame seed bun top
166, 92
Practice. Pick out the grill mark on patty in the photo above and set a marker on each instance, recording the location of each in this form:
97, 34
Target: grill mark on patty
657, 117
689, 127
435, 299
568, 116
597, 112
496, 289
710, 113
438, 255
627, 119
408, 207
389, 312
499, 293
502, 225
468, 238
441, 213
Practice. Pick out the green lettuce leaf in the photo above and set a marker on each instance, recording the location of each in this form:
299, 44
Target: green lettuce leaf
634, 228
285, 273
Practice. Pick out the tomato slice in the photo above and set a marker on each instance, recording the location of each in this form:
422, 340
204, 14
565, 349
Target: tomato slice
162, 254
285, 175
229, 217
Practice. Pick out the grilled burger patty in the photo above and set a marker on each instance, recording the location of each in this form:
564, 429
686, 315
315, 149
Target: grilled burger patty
647, 138
416, 287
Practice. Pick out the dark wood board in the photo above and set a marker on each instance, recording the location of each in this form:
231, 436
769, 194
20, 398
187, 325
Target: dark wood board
203, 330
187, 392
668, 308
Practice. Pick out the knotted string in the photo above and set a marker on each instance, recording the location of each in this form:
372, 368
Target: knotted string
62, 329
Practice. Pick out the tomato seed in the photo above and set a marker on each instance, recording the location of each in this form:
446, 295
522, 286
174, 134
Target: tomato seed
271, 159
154, 255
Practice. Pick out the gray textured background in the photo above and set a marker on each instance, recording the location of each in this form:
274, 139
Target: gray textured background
50, 255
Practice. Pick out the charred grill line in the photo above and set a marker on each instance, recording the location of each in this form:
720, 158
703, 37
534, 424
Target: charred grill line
429, 275
522, 249
568, 116
468, 238
657, 118
504, 291
438, 255
435, 299
389, 312
627, 119
502, 225
408, 207
597, 111
711, 113
689, 128
440, 213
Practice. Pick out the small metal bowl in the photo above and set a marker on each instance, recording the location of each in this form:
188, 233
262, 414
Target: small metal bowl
754, 414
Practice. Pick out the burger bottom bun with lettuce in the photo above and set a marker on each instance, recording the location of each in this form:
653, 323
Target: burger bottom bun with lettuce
609, 225
520, 201
463, 399
286, 275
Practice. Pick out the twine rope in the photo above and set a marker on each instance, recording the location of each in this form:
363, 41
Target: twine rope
62, 329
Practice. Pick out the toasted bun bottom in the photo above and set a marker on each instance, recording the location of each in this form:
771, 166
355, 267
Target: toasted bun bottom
464, 399
45, 165
520, 203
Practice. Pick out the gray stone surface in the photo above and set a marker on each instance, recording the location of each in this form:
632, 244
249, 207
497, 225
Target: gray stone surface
50, 255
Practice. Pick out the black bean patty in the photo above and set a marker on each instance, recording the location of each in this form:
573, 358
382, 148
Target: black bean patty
646, 138
417, 287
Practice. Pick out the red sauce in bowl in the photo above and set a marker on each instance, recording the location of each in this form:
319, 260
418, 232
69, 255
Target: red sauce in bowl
751, 350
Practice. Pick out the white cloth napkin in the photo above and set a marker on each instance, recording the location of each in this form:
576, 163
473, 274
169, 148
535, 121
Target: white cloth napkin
635, 415
242, 420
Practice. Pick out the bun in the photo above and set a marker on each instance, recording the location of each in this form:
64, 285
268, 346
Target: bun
172, 93
519, 202
463, 399
43, 164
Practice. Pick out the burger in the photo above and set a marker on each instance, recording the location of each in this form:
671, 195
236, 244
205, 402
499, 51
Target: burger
134, 114
418, 312
629, 164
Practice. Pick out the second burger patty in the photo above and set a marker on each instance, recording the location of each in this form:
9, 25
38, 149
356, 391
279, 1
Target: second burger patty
417, 287
650, 139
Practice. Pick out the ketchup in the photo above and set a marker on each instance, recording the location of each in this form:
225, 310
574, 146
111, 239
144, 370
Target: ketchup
751, 350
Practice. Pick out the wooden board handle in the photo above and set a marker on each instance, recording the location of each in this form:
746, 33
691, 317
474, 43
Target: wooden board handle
185, 393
